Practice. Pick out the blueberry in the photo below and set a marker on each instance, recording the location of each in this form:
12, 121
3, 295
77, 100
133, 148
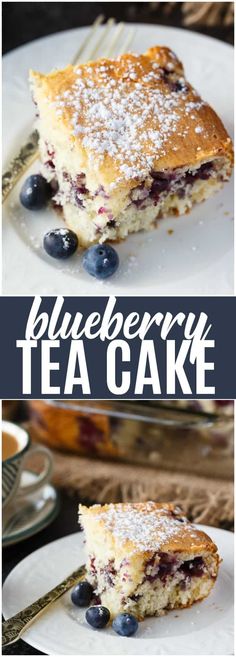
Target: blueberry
179, 86
125, 624
82, 594
159, 186
97, 616
60, 242
35, 192
101, 261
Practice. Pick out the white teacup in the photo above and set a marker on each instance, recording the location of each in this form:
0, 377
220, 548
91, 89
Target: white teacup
16, 448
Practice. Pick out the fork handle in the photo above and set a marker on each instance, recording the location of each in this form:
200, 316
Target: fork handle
15, 626
21, 162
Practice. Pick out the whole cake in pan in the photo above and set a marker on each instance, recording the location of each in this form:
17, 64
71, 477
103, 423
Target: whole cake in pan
72, 427
127, 141
146, 558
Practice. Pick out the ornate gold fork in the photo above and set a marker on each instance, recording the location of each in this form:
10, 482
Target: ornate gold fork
13, 628
95, 44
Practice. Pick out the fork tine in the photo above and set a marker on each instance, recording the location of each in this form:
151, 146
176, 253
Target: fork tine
29, 150
127, 41
117, 34
90, 36
105, 33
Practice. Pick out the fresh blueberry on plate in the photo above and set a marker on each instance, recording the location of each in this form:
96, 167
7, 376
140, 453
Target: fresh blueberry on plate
82, 594
60, 242
97, 616
35, 192
101, 261
125, 624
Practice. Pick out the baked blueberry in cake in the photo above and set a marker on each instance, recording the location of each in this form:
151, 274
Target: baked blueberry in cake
146, 558
127, 141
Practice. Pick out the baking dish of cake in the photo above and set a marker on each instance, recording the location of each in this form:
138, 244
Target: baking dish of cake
146, 558
126, 142
197, 438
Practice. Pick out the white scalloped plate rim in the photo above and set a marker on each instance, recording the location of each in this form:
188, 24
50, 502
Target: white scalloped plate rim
197, 258
204, 629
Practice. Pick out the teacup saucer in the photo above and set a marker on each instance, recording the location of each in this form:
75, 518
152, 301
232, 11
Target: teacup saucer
29, 514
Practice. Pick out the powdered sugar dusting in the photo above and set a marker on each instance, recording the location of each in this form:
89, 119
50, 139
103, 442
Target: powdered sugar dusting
126, 111
147, 531
65, 236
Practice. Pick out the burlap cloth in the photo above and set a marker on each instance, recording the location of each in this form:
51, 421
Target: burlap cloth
204, 500
194, 14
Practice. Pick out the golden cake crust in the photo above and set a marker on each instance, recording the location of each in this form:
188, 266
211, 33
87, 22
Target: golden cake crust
141, 558
125, 117
170, 531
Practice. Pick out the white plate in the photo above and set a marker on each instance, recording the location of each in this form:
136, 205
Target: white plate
26, 516
204, 629
196, 259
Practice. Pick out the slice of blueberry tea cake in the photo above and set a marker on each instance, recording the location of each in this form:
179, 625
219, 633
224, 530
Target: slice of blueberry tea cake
126, 142
146, 558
